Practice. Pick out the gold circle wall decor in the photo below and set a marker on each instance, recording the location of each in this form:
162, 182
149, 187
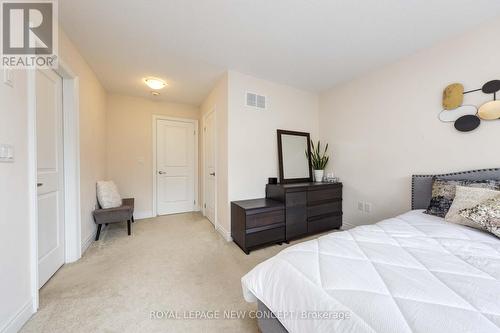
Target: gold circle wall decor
453, 96
489, 110
467, 117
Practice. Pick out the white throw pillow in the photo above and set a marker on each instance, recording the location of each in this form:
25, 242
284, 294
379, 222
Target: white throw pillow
107, 194
468, 197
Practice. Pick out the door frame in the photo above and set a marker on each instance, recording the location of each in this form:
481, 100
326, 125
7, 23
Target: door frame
71, 151
214, 112
157, 117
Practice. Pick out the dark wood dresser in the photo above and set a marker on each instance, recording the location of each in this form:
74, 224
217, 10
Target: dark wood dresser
257, 222
309, 207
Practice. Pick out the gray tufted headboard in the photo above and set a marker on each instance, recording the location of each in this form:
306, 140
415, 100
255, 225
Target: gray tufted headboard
421, 185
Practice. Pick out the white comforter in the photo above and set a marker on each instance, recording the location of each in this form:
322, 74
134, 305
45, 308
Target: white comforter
412, 273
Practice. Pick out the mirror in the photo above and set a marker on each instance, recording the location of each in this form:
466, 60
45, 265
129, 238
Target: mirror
294, 164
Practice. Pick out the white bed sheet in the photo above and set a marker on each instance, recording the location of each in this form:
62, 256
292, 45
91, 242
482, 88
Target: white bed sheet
411, 273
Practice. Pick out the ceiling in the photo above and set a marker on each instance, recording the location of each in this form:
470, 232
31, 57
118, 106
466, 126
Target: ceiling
309, 44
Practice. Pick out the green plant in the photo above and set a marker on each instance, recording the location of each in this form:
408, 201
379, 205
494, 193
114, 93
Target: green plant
318, 160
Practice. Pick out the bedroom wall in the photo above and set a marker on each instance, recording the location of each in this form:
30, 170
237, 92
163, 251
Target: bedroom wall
92, 133
129, 134
15, 253
218, 99
383, 126
253, 148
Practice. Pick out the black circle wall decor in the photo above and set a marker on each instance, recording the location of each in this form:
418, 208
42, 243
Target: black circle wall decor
467, 123
491, 87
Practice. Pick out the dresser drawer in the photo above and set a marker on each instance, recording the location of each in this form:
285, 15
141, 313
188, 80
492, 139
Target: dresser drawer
324, 223
266, 236
296, 199
267, 218
324, 194
325, 208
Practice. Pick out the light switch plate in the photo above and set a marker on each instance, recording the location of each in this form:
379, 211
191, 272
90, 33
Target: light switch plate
6, 153
8, 76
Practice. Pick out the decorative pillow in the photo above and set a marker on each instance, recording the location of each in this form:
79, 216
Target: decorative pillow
107, 194
443, 193
468, 197
486, 215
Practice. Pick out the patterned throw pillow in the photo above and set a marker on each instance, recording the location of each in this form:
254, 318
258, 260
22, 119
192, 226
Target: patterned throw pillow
443, 193
468, 197
486, 215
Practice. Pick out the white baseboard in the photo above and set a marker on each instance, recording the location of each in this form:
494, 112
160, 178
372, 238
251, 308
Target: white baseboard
86, 244
347, 225
225, 234
145, 214
14, 324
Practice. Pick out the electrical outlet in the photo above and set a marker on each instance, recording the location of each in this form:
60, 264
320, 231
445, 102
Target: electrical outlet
6, 153
368, 207
360, 205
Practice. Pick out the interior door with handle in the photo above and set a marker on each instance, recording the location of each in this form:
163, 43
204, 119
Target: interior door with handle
209, 167
50, 173
175, 166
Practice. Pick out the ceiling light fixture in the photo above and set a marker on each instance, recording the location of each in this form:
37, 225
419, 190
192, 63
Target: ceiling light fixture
155, 83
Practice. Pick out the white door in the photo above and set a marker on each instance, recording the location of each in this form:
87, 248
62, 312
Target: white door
50, 174
175, 166
209, 166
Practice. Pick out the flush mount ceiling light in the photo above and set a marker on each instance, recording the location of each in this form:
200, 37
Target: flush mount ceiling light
155, 83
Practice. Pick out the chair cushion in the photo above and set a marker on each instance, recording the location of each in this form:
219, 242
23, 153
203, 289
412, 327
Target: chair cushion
108, 195
113, 215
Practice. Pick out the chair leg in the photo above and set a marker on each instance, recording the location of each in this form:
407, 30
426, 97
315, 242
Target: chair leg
133, 221
129, 227
99, 226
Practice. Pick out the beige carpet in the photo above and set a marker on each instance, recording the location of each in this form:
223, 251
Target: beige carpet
171, 263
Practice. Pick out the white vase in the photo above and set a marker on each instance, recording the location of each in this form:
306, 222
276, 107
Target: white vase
318, 175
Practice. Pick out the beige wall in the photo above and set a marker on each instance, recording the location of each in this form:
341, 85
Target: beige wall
92, 132
129, 144
383, 127
253, 148
15, 244
218, 99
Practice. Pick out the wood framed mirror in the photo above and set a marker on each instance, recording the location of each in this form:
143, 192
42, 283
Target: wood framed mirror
294, 162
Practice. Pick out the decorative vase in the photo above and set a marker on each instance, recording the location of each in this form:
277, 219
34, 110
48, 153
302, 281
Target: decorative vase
318, 175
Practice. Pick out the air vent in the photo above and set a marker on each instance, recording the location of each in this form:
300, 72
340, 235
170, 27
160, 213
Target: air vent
256, 101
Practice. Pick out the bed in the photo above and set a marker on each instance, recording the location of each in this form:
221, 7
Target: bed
410, 273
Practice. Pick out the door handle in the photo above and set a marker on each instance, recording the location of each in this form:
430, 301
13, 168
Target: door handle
162, 172
39, 184
212, 174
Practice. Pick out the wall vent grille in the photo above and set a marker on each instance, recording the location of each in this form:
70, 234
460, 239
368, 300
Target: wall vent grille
256, 101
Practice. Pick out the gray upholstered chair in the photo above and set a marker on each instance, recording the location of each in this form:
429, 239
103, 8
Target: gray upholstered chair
114, 215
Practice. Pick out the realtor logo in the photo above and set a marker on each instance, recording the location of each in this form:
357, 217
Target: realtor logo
29, 33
